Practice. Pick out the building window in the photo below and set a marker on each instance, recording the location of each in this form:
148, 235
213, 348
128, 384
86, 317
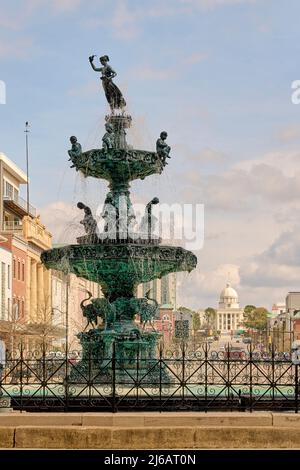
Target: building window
8, 276
14, 309
23, 308
19, 270
9, 190
23, 271
16, 194
14, 268
8, 309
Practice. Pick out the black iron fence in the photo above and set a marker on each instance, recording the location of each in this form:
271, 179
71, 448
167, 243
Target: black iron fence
178, 379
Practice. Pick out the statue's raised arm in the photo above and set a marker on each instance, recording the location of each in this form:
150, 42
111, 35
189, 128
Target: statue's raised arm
113, 94
91, 59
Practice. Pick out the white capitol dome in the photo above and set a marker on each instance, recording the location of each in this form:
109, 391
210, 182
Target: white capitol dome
229, 297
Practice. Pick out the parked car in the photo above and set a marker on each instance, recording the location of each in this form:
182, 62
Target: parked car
234, 353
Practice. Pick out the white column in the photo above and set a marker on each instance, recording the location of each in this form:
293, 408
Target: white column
28, 313
40, 293
33, 291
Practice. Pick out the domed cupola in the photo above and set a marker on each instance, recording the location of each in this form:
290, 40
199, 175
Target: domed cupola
229, 298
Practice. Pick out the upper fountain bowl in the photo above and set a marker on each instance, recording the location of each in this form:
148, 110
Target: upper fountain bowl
118, 165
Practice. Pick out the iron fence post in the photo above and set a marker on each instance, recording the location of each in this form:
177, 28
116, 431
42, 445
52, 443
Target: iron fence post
137, 373
183, 372
273, 374
205, 375
250, 374
21, 376
296, 389
160, 376
90, 375
44, 372
228, 373
113, 364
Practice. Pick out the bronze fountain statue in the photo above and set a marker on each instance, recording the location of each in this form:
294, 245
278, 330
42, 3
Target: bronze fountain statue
125, 254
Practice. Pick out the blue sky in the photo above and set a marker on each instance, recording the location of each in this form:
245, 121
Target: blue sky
216, 74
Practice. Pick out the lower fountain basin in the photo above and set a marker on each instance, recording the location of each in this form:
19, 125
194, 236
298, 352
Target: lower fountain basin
119, 268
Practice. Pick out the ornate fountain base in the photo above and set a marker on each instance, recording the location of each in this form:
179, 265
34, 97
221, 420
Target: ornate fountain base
122, 358
119, 352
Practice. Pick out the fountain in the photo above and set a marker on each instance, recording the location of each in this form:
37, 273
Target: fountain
121, 256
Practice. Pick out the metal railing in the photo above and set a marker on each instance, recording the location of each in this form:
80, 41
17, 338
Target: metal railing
20, 202
179, 379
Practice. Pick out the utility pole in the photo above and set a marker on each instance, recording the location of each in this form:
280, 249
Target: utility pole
27, 162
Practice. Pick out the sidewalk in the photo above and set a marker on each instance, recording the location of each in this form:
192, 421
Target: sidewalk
260, 430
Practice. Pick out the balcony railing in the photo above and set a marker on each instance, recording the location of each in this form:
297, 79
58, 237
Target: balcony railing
12, 226
19, 201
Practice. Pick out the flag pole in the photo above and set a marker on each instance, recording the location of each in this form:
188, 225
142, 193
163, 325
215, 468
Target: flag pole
27, 162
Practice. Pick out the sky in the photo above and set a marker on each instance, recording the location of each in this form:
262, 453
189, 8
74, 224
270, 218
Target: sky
216, 75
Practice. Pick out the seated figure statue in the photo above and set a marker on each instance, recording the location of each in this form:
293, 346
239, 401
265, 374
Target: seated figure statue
89, 223
162, 148
76, 149
108, 140
110, 216
149, 221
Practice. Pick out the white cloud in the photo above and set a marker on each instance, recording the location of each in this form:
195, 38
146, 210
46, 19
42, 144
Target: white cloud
89, 88
62, 220
147, 72
125, 21
195, 58
209, 155
19, 48
290, 133
201, 289
274, 180
62, 6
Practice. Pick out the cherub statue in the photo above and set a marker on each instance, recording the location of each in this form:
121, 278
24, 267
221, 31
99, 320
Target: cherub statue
148, 222
89, 223
162, 147
76, 149
110, 215
113, 94
108, 140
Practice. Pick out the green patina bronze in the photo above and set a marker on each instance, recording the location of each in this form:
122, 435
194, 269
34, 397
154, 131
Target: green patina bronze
120, 263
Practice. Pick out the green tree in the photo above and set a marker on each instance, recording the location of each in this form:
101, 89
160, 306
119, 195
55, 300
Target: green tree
196, 322
210, 316
186, 310
249, 309
256, 318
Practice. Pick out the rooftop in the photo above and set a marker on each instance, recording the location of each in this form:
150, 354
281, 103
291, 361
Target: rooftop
13, 169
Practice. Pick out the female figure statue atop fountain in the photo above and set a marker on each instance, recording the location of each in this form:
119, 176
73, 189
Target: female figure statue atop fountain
113, 94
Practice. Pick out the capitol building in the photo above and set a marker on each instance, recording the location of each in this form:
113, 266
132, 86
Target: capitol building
229, 314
